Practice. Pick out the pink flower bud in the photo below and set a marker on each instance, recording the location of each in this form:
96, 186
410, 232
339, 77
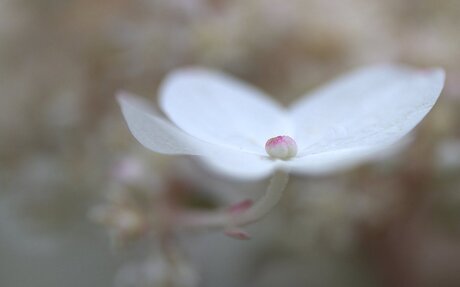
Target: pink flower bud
281, 147
237, 234
241, 206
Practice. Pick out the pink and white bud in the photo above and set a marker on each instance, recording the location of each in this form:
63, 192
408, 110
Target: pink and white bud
240, 207
281, 147
237, 233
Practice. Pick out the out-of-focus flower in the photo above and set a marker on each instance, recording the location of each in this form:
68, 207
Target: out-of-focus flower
234, 127
125, 220
128, 170
158, 272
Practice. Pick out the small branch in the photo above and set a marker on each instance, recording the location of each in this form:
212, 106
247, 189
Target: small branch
240, 214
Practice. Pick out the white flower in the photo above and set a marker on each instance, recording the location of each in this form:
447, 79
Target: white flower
228, 123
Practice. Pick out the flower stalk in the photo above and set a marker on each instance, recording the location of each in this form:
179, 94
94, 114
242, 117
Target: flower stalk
240, 214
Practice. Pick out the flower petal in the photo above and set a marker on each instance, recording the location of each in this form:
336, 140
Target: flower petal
323, 163
155, 133
240, 165
371, 107
221, 110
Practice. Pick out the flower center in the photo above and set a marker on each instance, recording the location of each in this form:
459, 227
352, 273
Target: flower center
281, 147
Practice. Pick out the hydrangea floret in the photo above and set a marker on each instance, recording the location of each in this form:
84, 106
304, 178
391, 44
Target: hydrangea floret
236, 130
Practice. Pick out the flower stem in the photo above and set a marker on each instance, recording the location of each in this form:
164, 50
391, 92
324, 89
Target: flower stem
226, 219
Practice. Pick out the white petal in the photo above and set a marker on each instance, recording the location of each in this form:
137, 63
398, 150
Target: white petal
221, 110
369, 108
155, 133
240, 165
323, 163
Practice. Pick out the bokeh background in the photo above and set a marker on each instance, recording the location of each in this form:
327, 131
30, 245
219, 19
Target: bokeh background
81, 201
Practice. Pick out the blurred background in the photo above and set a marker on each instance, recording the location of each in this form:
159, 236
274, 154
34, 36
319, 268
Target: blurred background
81, 202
